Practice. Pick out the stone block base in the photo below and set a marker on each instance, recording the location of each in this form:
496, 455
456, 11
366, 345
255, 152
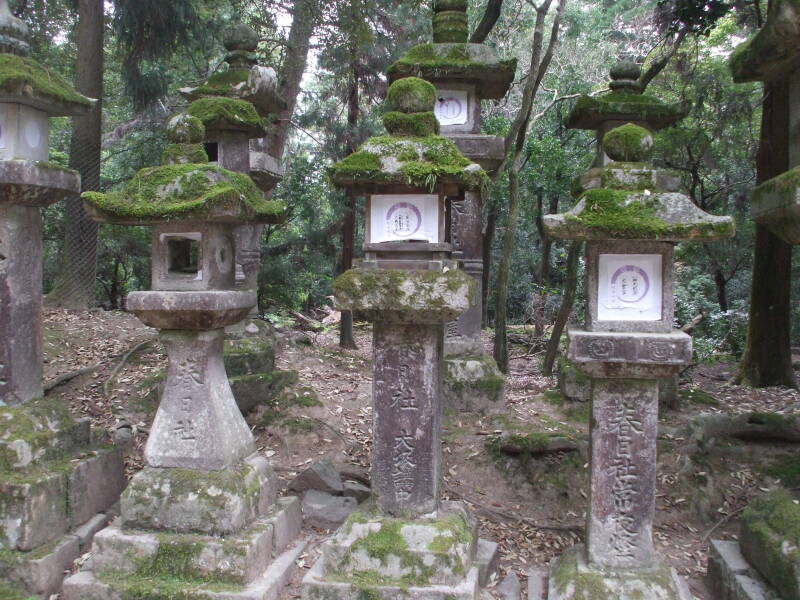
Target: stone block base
473, 384
203, 502
40, 573
431, 557
269, 585
730, 576
253, 565
571, 578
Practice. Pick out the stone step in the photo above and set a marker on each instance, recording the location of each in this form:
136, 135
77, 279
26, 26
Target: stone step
268, 586
41, 572
237, 559
320, 584
486, 559
54, 497
731, 577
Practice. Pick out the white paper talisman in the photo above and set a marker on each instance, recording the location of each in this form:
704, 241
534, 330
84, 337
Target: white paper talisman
404, 217
629, 287
452, 107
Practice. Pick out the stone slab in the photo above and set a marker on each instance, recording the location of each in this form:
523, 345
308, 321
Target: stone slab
192, 311
33, 184
44, 576
486, 150
537, 583
268, 586
487, 559
316, 586
473, 383
95, 484
286, 519
731, 577
194, 501
571, 578
326, 511
86, 532
33, 513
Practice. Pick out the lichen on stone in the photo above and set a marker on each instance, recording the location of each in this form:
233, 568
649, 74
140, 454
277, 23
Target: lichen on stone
19, 74
184, 191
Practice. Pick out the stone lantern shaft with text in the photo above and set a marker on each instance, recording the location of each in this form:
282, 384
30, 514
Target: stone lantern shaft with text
630, 215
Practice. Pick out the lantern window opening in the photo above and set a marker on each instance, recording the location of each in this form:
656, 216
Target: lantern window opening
183, 255
212, 149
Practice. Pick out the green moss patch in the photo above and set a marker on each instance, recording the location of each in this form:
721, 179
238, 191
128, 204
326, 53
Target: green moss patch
787, 469
182, 154
420, 124
228, 114
142, 587
221, 84
18, 72
450, 26
411, 95
590, 111
629, 143
8, 592
185, 191
416, 161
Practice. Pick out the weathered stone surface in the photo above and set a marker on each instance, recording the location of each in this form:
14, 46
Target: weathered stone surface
510, 588
356, 490
486, 150
571, 578
20, 303
627, 176
326, 511
537, 584
95, 484
632, 355
34, 184
573, 384
43, 576
198, 311
196, 501
33, 513
405, 296
776, 204
772, 53
406, 462
198, 425
770, 541
321, 476
623, 473
487, 559
286, 519
730, 576
473, 384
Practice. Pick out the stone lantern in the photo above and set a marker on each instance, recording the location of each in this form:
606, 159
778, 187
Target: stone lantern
631, 216
774, 55
57, 480
235, 106
464, 75
407, 541
202, 514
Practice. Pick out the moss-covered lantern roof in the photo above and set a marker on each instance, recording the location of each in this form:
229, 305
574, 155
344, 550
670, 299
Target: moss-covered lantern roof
413, 155
220, 115
244, 79
452, 58
192, 192
632, 204
774, 52
25, 81
624, 103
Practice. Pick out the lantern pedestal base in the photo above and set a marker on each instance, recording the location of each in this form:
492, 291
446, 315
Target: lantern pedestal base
473, 383
438, 557
572, 578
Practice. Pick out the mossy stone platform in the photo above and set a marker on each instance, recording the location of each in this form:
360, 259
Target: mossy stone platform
437, 557
25, 81
571, 578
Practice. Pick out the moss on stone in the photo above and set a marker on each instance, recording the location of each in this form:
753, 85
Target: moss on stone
450, 27
416, 161
225, 114
770, 540
443, 5
221, 84
185, 129
185, 191
420, 124
18, 73
411, 95
140, 587
628, 143
589, 111
788, 182
182, 154
9, 592
490, 381
787, 469
387, 541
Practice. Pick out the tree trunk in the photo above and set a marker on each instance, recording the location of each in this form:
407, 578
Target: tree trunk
567, 301
74, 287
722, 289
543, 276
504, 270
767, 359
304, 19
488, 242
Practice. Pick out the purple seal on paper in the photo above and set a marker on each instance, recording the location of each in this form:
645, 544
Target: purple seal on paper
402, 225
631, 293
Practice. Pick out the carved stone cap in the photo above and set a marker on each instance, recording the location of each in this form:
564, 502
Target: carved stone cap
194, 311
629, 355
29, 183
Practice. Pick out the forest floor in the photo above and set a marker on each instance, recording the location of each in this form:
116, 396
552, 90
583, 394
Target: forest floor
533, 506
